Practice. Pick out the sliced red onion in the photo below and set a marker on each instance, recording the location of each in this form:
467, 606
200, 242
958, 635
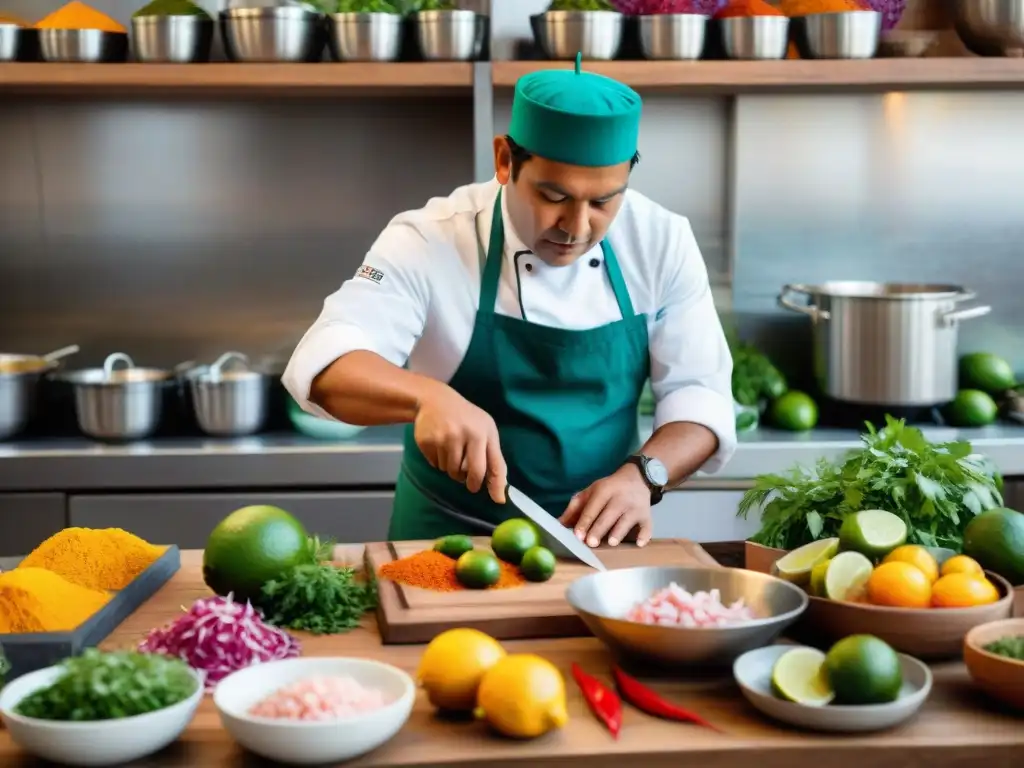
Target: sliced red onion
218, 636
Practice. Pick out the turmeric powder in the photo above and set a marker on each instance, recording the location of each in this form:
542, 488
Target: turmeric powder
434, 571
96, 558
38, 600
77, 15
809, 7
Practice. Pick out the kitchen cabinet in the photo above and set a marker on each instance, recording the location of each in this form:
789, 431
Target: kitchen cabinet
702, 515
186, 519
26, 519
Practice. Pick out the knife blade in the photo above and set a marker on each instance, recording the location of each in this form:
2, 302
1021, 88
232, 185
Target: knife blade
564, 537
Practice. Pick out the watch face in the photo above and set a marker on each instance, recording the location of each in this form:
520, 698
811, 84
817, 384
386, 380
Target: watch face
657, 473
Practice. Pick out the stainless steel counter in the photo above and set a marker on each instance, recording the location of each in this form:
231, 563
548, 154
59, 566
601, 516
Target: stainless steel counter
372, 459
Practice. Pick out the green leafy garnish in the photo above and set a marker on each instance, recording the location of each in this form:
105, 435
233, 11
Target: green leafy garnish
109, 686
935, 488
1012, 647
755, 379
432, 5
581, 5
367, 6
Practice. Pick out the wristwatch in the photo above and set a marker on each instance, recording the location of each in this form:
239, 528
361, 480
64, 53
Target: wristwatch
653, 472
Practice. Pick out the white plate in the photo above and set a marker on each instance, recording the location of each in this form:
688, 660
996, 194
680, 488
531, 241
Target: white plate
753, 673
313, 742
100, 742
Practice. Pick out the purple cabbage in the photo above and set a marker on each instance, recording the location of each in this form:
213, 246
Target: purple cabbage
649, 7
891, 10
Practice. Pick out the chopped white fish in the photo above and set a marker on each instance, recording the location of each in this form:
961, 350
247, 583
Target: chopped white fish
676, 607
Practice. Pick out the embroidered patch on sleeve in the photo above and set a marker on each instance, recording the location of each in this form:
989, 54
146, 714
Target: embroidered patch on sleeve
369, 273
660, 314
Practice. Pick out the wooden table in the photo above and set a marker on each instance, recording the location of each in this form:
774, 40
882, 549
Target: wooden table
957, 727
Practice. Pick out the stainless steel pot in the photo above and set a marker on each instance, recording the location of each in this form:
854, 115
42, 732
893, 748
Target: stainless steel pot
885, 344
19, 383
119, 404
229, 403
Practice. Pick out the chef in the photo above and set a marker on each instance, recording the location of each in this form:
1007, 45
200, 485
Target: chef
512, 325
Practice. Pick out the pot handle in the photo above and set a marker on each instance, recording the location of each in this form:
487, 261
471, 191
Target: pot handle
811, 310
222, 362
959, 315
112, 361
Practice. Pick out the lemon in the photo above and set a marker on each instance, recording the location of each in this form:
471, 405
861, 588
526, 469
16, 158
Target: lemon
799, 676
817, 585
453, 665
796, 566
522, 696
961, 564
917, 556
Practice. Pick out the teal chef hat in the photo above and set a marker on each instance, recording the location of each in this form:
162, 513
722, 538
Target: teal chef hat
575, 117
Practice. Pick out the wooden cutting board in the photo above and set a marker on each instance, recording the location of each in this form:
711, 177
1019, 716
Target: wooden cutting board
412, 615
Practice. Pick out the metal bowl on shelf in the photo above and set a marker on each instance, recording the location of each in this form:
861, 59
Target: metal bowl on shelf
449, 35
563, 34
229, 403
276, 34
603, 600
172, 39
673, 36
118, 404
844, 35
364, 36
753, 38
10, 42
20, 376
83, 46
990, 27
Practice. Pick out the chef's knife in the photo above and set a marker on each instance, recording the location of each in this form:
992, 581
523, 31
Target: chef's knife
555, 530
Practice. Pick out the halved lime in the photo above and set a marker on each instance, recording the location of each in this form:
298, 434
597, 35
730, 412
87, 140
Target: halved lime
799, 676
796, 566
872, 532
817, 585
846, 575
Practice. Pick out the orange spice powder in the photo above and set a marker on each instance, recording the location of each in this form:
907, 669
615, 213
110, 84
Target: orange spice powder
748, 8
434, 571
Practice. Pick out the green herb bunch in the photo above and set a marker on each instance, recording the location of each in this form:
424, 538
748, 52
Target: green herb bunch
935, 488
581, 5
755, 379
414, 6
367, 6
108, 686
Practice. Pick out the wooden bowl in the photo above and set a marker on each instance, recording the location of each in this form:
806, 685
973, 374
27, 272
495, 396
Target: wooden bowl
1000, 677
926, 633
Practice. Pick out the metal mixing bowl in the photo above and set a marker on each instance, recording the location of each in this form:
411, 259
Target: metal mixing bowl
563, 34
277, 34
844, 35
673, 36
10, 42
364, 36
19, 386
119, 404
753, 37
83, 46
990, 27
172, 39
229, 403
603, 599
449, 35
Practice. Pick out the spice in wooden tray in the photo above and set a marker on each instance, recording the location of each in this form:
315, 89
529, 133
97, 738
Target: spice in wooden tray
96, 558
434, 571
38, 600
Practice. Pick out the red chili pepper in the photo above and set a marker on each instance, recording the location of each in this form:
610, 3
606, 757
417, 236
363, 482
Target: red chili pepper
602, 700
646, 700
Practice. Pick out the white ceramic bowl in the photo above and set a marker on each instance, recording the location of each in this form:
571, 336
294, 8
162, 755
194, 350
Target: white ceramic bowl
753, 673
100, 742
313, 742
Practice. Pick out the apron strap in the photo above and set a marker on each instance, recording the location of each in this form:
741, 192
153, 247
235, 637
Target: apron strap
611, 265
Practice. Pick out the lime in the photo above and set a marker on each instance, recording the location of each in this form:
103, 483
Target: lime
799, 676
795, 411
872, 532
995, 539
477, 569
987, 372
538, 564
817, 585
846, 576
252, 546
972, 408
454, 546
797, 565
512, 538
864, 670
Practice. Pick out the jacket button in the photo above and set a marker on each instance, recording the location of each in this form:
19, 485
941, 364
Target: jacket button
595, 262
529, 267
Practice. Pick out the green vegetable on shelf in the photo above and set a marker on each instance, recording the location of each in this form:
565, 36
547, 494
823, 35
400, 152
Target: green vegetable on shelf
367, 6
431, 5
755, 379
581, 5
171, 8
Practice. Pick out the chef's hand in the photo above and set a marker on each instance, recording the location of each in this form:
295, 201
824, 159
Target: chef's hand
611, 507
458, 438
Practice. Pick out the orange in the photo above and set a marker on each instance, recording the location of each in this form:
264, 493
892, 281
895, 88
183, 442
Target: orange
963, 590
962, 564
899, 585
917, 556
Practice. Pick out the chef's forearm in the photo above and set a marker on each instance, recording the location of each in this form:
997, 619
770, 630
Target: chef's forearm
364, 389
683, 447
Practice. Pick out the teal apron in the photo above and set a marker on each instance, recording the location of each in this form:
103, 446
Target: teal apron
564, 401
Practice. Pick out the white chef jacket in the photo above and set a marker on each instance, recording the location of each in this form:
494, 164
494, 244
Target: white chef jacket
414, 301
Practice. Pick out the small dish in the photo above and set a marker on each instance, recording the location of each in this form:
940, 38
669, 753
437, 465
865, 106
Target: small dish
319, 741
318, 428
96, 742
1000, 677
753, 673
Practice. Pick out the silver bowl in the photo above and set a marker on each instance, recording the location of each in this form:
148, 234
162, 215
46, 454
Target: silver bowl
10, 42
172, 39
990, 27
754, 38
229, 403
844, 35
603, 599
364, 36
563, 34
119, 404
277, 34
449, 35
19, 387
83, 46
673, 36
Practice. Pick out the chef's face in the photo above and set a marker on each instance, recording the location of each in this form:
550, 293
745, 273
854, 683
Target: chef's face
559, 211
